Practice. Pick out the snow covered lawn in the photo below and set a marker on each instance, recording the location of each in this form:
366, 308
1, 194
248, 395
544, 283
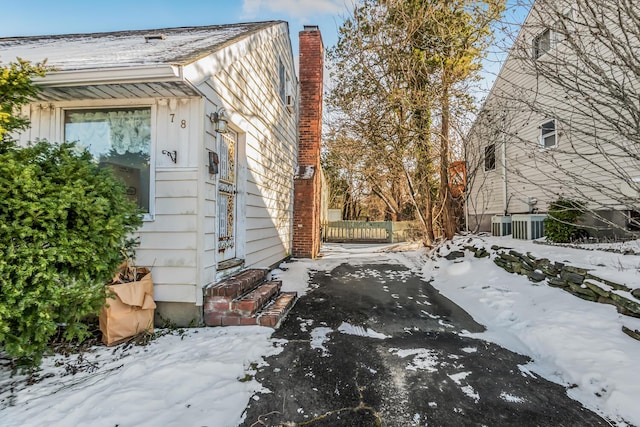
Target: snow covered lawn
204, 377
576, 343
200, 378
193, 380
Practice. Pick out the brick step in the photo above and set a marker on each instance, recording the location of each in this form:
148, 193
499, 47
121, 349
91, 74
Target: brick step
250, 303
236, 285
270, 315
273, 314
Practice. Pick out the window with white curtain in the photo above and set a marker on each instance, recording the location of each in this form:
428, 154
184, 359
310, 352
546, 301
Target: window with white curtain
118, 138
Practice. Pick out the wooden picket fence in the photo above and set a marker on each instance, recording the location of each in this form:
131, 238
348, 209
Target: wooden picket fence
368, 231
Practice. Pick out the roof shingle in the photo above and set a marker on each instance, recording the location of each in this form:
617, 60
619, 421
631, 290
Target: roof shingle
180, 46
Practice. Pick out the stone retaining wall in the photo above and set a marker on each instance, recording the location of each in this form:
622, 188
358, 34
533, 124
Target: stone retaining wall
577, 281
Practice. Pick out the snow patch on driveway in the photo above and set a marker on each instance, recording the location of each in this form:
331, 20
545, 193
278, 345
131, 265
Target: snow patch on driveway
360, 331
511, 398
466, 389
319, 336
576, 343
424, 359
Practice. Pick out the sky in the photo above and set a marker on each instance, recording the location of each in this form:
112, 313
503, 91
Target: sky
572, 342
46, 17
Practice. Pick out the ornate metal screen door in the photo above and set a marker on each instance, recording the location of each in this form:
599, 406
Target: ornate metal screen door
227, 196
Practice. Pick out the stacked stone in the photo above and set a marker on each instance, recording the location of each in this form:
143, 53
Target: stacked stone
577, 281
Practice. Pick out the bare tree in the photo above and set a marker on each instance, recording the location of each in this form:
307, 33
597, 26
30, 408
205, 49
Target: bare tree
401, 69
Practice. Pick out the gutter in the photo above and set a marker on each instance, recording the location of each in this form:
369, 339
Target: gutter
114, 75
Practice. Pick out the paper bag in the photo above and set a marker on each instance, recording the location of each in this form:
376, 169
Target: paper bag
130, 313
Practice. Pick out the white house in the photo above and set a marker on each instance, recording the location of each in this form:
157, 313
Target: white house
562, 120
154, 105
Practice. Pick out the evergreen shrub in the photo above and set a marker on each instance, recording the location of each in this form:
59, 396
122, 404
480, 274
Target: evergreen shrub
561, 224
63, 225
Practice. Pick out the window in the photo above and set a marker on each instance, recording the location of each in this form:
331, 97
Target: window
284, 87
633, 220
554, 35
117, 138
490, 157
548, 134
541, 44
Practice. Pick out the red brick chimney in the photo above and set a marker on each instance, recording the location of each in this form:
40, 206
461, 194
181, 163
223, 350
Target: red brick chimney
307, 183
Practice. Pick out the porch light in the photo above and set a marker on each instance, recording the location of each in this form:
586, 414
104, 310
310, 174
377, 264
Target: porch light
219, 120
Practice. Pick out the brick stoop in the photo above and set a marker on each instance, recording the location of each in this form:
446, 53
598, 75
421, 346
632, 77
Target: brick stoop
237, 284
274, 313
247, 299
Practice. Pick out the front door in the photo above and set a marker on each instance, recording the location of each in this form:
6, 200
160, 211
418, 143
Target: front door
227, 196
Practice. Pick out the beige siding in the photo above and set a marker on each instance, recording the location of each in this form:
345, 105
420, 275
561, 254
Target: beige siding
534, 173
247, 87
178, 239
169, 238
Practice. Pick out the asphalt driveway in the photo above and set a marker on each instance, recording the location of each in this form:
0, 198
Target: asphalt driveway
374, 344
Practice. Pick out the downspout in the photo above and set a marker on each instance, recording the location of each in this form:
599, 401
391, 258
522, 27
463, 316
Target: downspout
505, 201
466, 191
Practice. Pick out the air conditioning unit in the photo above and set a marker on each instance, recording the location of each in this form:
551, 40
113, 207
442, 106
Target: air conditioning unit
500, 225
290, 103
528, 226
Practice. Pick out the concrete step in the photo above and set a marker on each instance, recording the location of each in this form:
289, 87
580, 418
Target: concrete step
228, 268
250, 303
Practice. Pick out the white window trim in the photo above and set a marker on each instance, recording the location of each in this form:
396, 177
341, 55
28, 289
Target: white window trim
535, 49
555, 38
541, 137
103, 104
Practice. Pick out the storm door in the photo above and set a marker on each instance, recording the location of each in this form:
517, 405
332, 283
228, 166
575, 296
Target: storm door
227, 196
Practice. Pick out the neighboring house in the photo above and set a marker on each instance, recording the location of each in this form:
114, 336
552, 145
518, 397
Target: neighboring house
202, 125
556, 121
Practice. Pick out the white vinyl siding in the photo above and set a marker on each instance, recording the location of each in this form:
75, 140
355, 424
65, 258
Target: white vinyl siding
249, 88
168, 238
531, 171
179, 240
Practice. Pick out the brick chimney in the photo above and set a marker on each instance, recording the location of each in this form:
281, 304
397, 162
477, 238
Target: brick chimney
307, 182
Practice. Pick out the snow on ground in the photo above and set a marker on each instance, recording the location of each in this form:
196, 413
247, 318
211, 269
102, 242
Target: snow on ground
196, 379
201, 377
204, 376
349, 329
571, 341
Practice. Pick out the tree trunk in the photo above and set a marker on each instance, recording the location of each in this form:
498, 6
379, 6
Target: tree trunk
429, 233
447, 217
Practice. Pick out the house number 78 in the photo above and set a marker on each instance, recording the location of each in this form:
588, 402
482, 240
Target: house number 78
183, 123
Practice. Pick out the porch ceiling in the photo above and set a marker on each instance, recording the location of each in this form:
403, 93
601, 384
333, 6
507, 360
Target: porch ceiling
117, 91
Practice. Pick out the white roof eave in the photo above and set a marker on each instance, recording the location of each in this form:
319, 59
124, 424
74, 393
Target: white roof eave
115, 75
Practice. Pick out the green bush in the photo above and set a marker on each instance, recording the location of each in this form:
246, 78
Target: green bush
560, 226
16, 89
63, 224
